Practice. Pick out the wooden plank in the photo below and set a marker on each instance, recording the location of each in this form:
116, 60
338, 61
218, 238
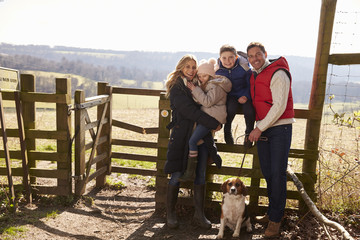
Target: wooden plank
318, 89
344, 58
134, 128
104, 88
6, 151
24, 153
163, 140
80, 146
90, 125
93, 102
93, 150
47, 134
50, 173
307, 114
137, 171
27, 82
98, 172
131, 143
11, 132
137, 91
45, 97
15, 154
48, 156
137, 157
100, 157
102, 140
63, 124
8, 95
50, 190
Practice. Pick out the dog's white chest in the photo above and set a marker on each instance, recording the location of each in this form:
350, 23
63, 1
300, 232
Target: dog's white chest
233, 208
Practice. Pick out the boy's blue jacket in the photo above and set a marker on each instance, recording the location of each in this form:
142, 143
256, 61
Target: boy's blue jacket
239, 76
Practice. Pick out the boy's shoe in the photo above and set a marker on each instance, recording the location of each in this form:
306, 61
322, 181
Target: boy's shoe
273, 229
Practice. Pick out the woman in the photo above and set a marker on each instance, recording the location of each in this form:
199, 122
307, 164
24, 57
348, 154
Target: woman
185, 113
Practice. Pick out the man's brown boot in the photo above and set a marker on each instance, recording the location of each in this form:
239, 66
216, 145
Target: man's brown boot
273, 229
262, 219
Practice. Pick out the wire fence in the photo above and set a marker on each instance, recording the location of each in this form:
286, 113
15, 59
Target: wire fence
339, 165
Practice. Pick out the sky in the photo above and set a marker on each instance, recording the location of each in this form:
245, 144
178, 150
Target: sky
285, 27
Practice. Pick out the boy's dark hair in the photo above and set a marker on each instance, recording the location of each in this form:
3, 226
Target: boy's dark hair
227, 48
255, 44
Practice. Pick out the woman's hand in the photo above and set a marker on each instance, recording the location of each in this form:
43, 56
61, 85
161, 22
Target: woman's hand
190, 85
242, 99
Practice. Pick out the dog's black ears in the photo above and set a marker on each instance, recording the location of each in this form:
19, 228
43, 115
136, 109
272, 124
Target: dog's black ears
224, 186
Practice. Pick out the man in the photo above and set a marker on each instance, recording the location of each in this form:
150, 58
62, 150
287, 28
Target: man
270, 86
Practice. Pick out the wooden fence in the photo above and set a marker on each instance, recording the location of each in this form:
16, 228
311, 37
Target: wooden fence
62, 155
99, 149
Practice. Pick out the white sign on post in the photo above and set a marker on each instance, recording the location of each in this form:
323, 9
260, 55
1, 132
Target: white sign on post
9, 79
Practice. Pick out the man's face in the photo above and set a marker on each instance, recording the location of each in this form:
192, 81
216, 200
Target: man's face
228, 59
256, 57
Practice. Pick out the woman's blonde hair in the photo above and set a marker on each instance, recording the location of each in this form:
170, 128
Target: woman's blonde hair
173, 76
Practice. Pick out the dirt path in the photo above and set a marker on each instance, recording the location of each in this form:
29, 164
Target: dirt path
130, 214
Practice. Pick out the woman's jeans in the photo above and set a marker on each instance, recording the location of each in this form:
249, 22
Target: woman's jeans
273, 156
200, 171
199, 133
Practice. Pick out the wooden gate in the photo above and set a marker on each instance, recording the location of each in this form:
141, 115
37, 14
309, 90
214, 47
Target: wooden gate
100, 134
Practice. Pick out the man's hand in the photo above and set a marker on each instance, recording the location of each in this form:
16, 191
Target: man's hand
255, 135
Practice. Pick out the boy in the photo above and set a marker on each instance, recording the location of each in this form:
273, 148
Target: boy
236, 68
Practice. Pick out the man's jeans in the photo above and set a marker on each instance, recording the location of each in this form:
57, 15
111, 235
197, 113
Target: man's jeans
273, 156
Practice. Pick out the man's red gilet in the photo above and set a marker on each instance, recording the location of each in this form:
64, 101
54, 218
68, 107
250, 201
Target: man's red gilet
261, 93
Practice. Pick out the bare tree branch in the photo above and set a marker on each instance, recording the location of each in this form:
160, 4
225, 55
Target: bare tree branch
315, 211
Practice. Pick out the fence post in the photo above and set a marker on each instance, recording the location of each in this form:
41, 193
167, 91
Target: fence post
63, 123
163, 139
103, 88
27, 83
318, 89
79, 144
255, 184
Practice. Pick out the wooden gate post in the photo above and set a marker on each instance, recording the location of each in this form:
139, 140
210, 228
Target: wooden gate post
317, 95
27, 83
79, 143
104, 88
163, 139
63, 123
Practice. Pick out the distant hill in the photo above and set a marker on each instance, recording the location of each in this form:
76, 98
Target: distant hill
126, 68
